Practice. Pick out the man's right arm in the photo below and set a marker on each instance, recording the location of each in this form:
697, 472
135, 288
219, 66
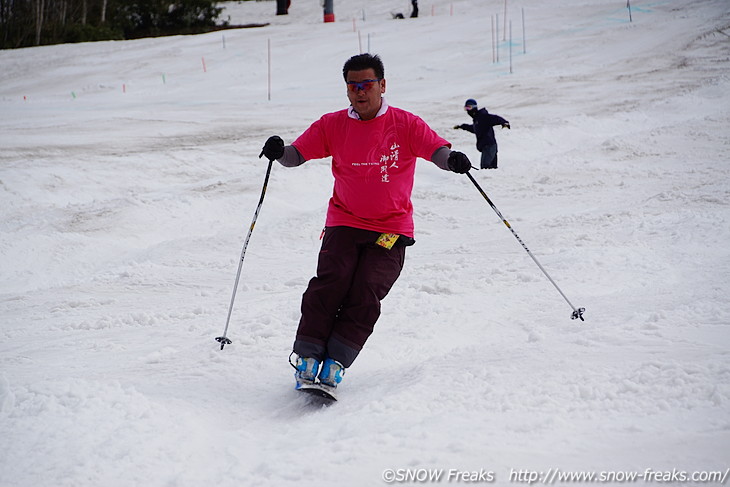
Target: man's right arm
291, 157
287, 156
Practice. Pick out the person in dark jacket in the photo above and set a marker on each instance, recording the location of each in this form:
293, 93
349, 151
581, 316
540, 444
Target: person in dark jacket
414, 12
483, 129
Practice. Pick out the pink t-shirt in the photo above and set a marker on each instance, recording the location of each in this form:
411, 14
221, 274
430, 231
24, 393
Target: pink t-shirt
373, 163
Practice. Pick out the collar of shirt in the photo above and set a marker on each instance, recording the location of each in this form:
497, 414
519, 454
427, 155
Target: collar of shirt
383, 108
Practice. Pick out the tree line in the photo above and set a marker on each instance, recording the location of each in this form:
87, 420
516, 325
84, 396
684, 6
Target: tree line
25, 23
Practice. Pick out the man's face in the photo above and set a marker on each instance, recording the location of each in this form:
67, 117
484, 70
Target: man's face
365, 95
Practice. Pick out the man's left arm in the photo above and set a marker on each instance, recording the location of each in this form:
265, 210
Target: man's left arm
424, 139
449, 160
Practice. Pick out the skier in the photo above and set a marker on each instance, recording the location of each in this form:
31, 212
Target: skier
369, 221
482, 127
414, 11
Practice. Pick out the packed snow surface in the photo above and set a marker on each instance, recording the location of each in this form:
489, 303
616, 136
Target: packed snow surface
129, 175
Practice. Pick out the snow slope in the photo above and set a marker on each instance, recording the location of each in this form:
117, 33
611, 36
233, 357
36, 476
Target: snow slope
129, 176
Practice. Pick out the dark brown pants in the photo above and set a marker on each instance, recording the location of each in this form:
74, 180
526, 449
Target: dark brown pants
342, 303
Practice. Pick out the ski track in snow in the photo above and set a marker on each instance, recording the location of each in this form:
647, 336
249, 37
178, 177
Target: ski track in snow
126, 200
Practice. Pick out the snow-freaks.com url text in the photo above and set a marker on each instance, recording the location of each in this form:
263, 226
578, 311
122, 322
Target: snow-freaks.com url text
552, 476
556, 475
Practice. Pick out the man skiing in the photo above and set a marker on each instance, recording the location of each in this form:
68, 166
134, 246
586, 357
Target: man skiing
369, 220
482, 127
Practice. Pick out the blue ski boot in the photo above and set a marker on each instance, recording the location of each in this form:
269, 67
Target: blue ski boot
306, 371
331, 373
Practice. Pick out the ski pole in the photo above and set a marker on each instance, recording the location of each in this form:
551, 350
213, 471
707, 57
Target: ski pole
224, 340
577, 312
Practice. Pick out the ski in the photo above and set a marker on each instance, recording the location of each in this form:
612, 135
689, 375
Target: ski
318, 390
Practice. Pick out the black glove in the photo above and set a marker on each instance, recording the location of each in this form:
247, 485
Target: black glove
273, 148
457, 126
506, 125
459, 163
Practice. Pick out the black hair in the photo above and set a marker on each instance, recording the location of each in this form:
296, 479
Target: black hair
364, 61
